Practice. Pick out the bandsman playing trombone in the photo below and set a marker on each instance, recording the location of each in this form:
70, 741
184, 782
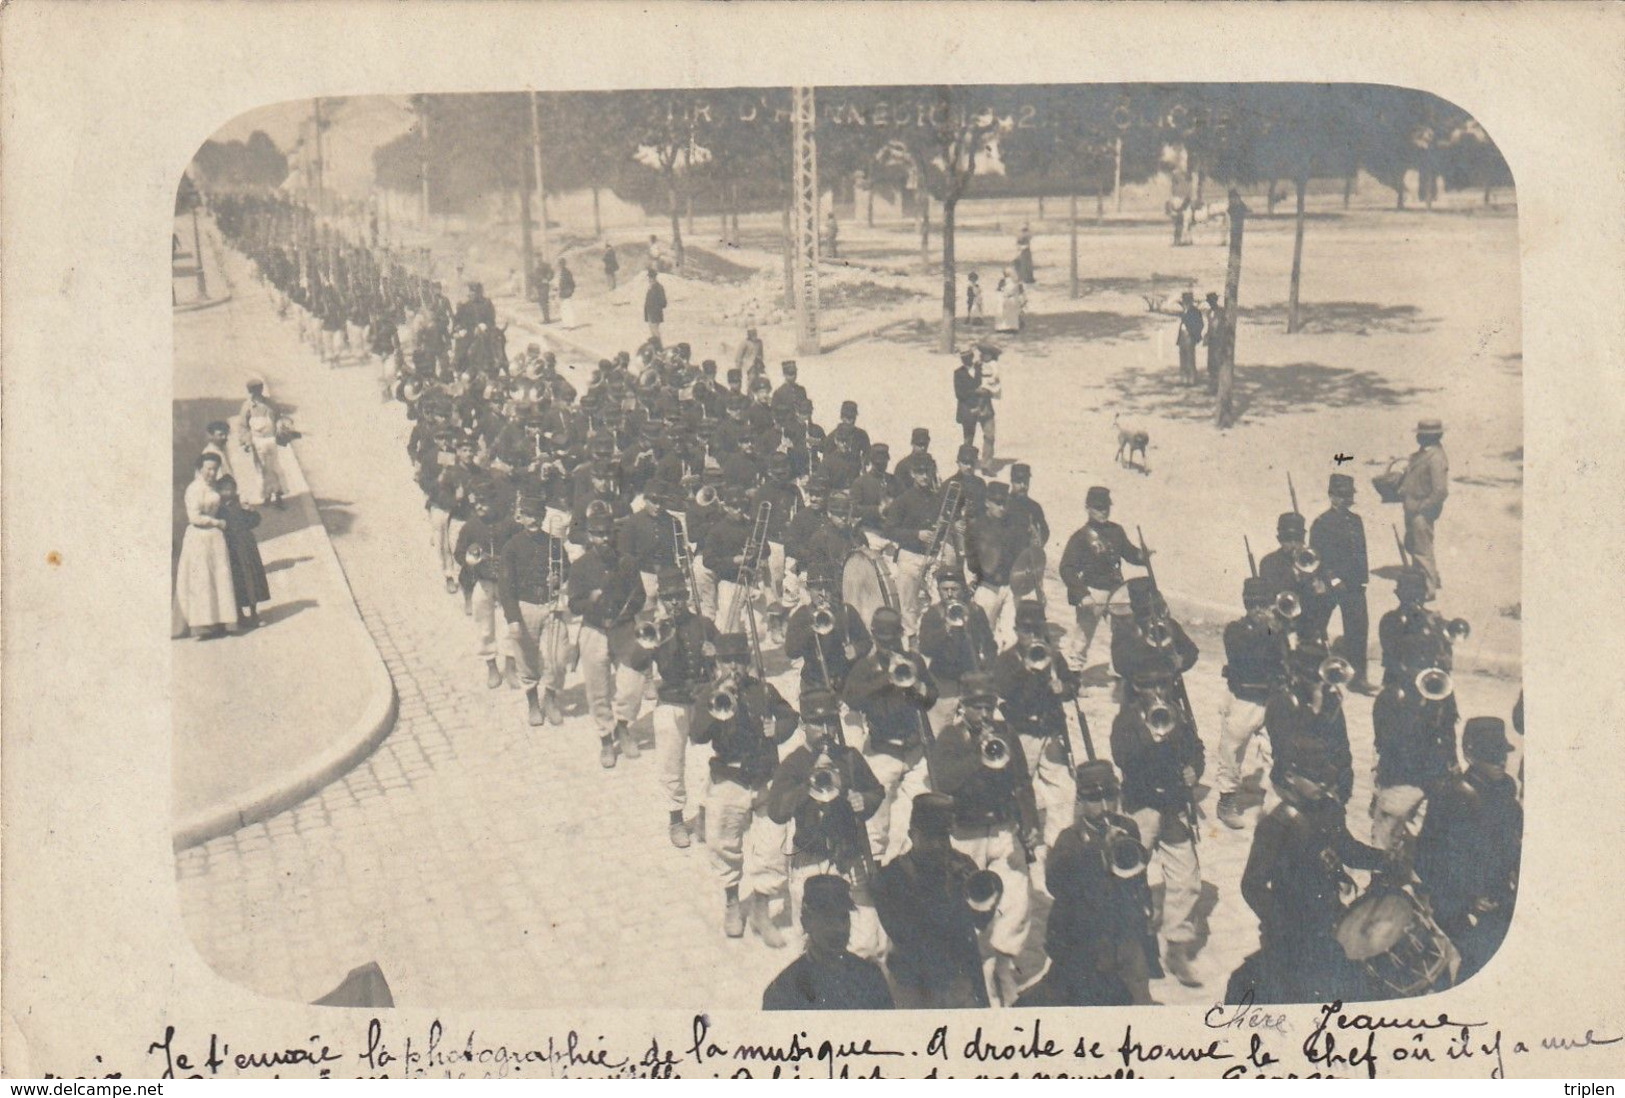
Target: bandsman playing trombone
893, 691
1415, 727
1255, 651
1034, 683
978, 761
681, 645
531, 583
826, 792
744, 720
1162, 759
955, 639
1100, 938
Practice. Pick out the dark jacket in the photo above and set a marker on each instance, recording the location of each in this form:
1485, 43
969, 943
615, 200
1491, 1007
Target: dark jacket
983, 796
1288, 720
1092, 559
897, 719
616, 576
1255, 654
952, 653
1416, 738
685, 669
522, 572
1153, 771
920, 898
832, 831
842, 983
802, 642
744, 749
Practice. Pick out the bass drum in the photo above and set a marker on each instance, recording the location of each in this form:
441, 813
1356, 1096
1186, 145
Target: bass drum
867, 584
1392, 937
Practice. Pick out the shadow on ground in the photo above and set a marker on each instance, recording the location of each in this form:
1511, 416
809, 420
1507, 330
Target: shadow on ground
1261, 391
1042, 334
1345, 318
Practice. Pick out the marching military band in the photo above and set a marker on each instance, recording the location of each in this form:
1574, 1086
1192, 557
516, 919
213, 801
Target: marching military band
658, 534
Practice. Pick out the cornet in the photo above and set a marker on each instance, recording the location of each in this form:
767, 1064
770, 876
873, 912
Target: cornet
956, 615
1288, 605
824, 783
901, 672
1336, 671
1457, 629
995, 754
652, 634
725, 702
1126, 856
823, 621
1037, 657
1434, 684
1159, 719
475, 555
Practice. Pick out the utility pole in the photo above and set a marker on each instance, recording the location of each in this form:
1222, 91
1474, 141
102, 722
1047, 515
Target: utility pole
321, 193
536, 163
423, 153
1224, 407
1117, 175
197, 251
804, 200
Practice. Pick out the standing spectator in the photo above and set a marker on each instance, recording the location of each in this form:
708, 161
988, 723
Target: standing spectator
1211, 340
1338, 535
833, 233
567, 295
219, 444
657, 254
247, 569
1423, 491
541, 282
654, 302
612, 265
973, 300
1011, 300
967, 385
204, 596
1190, 334
751, 361
257, 427
1024, 257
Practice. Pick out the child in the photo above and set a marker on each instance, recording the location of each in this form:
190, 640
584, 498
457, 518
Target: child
247, 570
973, 300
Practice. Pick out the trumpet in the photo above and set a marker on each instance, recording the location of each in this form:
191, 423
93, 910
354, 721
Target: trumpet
1434, 683
652, 634
983, 890
1457, 629
824, 783
725, 702
901, 672
1336, 671
1288, 605
956, 615
475, 555
823, 620
1306, 562
707, 496
1037, 657
1159, 719
1126, 856
995, 754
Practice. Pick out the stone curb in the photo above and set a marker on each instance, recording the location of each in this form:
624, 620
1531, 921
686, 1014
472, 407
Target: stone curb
377, 719
199, 306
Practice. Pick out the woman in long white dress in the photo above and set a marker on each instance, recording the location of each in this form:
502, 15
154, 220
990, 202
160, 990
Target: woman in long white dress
1010, 300
204, 596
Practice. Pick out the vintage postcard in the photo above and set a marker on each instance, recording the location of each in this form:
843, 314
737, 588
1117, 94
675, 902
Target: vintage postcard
1004, 526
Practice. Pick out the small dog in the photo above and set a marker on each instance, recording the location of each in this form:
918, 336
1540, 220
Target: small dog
1130, 441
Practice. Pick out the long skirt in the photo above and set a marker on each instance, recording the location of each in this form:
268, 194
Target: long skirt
204, 594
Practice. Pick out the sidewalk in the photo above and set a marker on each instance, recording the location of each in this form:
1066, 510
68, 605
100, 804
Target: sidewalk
262, 720
184, 266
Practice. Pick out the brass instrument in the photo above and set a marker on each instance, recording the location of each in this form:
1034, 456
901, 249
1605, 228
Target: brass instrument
707, 496
994, 751
983, 891
684, 559
1457, 629
956, 614
1126, 856
725, 701
939, 537
654, 633
1336, 671
823, 621
1306, 562
824, 783
1159, 718
901, 672
1434, 683
1158, 634
1288, 605
475, 555
1037, 657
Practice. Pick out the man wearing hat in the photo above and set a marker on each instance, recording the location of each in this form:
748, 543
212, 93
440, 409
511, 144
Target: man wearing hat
967, 395
848, 429
1412, 635
606, 591
873, 489
1423, 491
1137, 647
988, 390
798, 537
477, 553
531, 576
1032, 701
1213, 340
654, 304
911, 525
723, 553
992, 545
1293, 882
827, 976
752, 355
649, 537
1280, 568
826, 657
1092, 568
1161, 765
597, 495
973, 489
783, 498
918, 456
1190, 336
256, 426
1023, 508
1468, 853
1100, 936
1416, 751
897, 717
826, 791
978, 761
954, 651
683, 657
449, 505
1305, 708
1255, 652
747, 847
790, 394
935, 957
1338, 537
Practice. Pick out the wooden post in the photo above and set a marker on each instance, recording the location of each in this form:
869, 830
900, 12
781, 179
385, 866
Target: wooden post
536, 166
1072, 232
950, 283
1224, 407
1292, 324
1117, 176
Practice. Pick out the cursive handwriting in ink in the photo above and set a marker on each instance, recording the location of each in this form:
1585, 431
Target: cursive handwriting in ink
1245, 1016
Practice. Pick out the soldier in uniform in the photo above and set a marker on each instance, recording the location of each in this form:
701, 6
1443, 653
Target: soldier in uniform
1412, 635
530, 588
1151, 641
1424, 489
1091, 567
978, 761
790, 395
1280, 568
1255, 651
745, 732
1338, 537
1416, 751
784, 499
478, 555
935, 957
1155, 745
684, 658
898, 723
918, 457
1304, 708
1100, 938
1025, 509
826, 790
1294, 881
826, 657
606, 592
723, 554
873, 489
973, 489
993, 541
953, 651
1031, 700
826, 976
911, 525
1468, 852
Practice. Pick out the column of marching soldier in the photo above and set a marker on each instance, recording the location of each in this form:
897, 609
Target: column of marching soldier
656, 533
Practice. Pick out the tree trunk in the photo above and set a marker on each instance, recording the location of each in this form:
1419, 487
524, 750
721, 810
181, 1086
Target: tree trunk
1399, 193
597, 220
1040, 207
1348, 189
789, 258
527, 254
1100, 203
925, 227
1072, 234
676, 228
1270, 201
733, 212
871, 203
1224, 407
691, 213
950, 283
1292, 324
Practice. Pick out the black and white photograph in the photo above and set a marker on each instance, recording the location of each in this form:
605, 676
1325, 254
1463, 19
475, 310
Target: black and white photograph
850, 547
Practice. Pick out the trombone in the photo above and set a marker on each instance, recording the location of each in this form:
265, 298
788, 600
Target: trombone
939, 537
684, 559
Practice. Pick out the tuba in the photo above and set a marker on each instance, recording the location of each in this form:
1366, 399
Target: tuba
1434, 683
